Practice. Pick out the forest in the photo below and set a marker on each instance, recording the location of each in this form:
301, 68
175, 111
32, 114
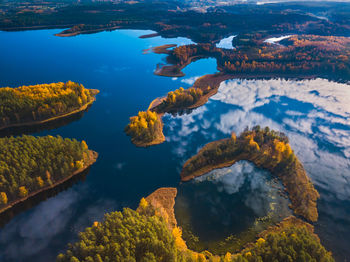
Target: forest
175, 18
41, 102
307, 55
144, 235
180, 99
28, 164
124, 236
267, 149
145, 129
293, 241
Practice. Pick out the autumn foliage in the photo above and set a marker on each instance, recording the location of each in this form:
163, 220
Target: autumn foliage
292, 240
145, 236
144, 128
180, 99
298, 55
40, 102
267, 149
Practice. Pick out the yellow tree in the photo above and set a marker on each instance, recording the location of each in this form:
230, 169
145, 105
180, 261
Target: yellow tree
3, 198
179, 242
84, 145
39, 181
143, 203
22, 191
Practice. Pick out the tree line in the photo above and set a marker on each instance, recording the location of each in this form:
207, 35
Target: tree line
266, 149
180, 99
29, 163
144, 236
302, 54
39, 102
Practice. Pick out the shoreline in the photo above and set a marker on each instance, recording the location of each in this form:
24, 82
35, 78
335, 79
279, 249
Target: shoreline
214, 81
163, 201
160, 138
296, 182
39, 122
90, 31
92, 159
35, 27
175, 70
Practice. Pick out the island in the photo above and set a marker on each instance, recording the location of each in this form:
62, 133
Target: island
296, 56
39, 104
151, 234
146, 129
267, 149
30, 165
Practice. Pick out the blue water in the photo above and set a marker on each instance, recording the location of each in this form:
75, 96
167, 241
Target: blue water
114, 63
233, 200
314, 114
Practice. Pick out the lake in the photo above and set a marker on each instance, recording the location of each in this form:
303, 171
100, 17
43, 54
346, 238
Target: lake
316, 122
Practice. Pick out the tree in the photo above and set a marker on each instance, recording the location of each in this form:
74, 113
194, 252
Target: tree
40, 181
143, 203
84, 145
22, 191
3, 198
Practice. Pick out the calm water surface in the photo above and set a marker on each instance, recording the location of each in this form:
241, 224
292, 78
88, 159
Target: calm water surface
314, 114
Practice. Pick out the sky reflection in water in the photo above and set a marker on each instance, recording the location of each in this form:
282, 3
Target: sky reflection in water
230, 201
313, 113
315, 116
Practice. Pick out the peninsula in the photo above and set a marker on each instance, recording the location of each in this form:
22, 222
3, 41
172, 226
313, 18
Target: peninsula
39, 104
151, 232
45, 162
267, 149
254, 56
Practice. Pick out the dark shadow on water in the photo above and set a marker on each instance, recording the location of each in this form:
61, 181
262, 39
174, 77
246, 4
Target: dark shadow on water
228, 207
181, 112
36, 128
6, 216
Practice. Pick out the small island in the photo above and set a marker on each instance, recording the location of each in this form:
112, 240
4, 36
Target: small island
30, 165
151, 234
267, 149
39, 104
146, 129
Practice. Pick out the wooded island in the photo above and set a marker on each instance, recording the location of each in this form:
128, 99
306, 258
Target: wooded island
30, 165
37, 104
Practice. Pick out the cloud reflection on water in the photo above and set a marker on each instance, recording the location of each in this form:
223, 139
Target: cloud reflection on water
315, 115
41, 229
244, 176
